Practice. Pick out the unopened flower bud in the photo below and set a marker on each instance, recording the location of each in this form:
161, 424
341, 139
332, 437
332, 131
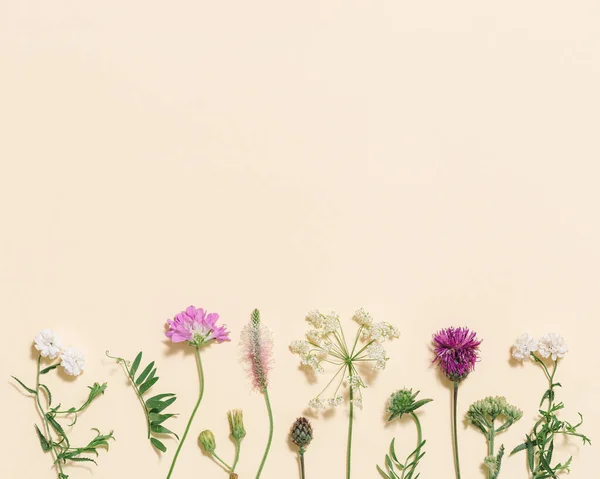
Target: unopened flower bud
207, 441
236, 424
301, 433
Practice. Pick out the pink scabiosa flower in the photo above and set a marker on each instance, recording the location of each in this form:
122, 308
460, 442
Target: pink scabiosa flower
198, 328
257, 352
456, 352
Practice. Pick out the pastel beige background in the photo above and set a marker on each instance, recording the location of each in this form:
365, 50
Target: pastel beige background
434, 162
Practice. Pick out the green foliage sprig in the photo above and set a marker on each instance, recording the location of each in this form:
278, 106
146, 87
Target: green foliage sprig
154, 407
404, 402
483, 414
53, 435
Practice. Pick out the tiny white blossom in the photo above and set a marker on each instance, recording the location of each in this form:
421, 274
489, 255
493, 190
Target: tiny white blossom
313, 362
48, 343
316, 403
380, 332
300, 347
362, 317
332, 322
552, 345
354, 382
524, 346
377, 353
335, 401
315, 318
73, 361
358, 403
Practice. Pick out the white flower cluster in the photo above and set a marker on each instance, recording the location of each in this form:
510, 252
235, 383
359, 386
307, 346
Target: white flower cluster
550, 345
376, 352
326, 344
49, 344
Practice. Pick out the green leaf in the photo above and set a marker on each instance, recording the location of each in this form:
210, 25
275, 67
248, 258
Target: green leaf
530, 455
145, 373
158, 429
49, 394
158, 444
156, 418
48, 369
158, 406
29, 390
43, 441
135, 365
55, 425
147, 385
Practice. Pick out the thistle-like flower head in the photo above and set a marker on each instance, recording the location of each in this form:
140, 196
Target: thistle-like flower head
236, 424
456, 352
301, 433
257, 351
326, 344
207, 442
196, 327
404, 401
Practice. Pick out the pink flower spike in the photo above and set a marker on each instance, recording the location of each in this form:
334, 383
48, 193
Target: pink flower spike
196, 327
257, 351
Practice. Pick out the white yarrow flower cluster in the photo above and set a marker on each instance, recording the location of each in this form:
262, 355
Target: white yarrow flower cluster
550, 345
326, 344
49, 344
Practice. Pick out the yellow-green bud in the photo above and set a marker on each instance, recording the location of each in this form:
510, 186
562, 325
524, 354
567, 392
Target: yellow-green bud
236, 424
206, 439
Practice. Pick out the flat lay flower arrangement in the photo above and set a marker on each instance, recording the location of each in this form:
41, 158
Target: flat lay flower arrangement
325, 351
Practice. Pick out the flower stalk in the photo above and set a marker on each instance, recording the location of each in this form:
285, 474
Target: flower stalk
326, 345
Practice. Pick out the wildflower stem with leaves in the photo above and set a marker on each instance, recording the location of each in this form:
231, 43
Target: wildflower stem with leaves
54, 437
540, 442
404, 402
198, 329
326, 345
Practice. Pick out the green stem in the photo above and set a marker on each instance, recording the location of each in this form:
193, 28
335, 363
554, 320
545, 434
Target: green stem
302, 465
270, 411
227, 467
417, 452
350, 422
45, 419
455, 415
491, 447
187, 429
238, 446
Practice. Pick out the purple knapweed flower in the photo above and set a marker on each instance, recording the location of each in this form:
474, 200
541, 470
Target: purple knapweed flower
196, 327
456, 352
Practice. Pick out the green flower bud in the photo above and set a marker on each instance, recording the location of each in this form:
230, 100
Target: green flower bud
404, 401
207, 442
236, 424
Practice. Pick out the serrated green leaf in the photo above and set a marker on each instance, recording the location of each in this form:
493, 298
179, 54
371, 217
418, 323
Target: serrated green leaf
56, 426
29, 390
48, 393
43, 441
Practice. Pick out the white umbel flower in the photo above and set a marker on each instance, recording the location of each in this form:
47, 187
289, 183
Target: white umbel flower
73, 361
524, 346
552, 345
48, 343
